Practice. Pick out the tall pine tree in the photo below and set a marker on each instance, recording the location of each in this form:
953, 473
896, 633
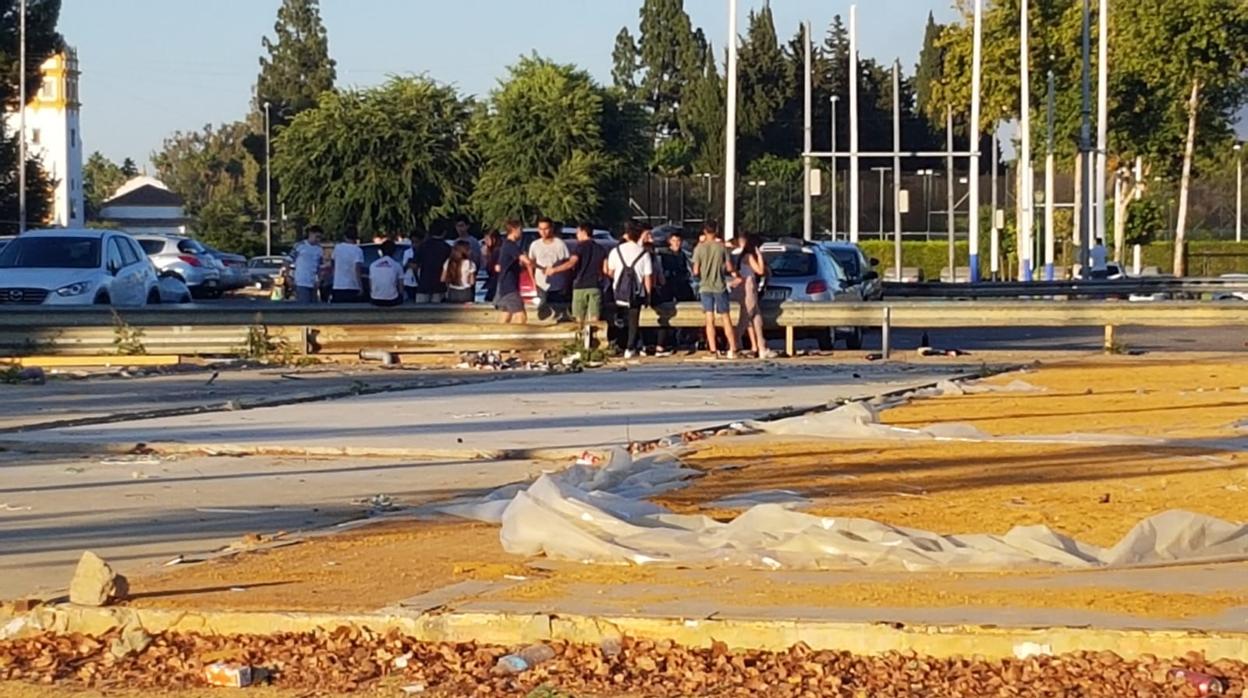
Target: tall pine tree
624, 62
766, 83
931, 68
667, 50
297, 68
702, 116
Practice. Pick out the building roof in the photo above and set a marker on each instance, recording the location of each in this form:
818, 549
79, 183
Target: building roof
145, 195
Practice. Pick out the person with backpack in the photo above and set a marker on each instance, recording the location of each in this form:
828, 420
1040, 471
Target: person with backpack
632, 280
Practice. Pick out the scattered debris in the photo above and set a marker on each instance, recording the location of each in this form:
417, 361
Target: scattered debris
524, 660
385, 357
693, 384
227, 675
1204, 684
5, 506
95, 583
1104, 499
1027, 650
173, 562
133, 640
475, 415
413, 689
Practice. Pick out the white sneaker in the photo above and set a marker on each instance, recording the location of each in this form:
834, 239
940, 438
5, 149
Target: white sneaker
732, 356
628, 354
769, 354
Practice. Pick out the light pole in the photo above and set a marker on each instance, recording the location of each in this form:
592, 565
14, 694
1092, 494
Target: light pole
710, 194
835, 101
730, 130
880, 171
268, 184
21, 120
1239, 192
758, 185
927, 198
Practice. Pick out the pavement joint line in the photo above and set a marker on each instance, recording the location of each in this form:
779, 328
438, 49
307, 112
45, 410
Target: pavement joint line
555, 454
243, 405
516, 629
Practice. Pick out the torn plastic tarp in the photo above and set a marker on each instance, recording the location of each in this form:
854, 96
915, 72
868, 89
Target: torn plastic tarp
597, 516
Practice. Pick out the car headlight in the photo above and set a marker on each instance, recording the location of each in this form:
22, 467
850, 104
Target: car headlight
74, 289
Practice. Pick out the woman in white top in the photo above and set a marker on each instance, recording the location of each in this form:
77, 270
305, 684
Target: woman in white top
460, 274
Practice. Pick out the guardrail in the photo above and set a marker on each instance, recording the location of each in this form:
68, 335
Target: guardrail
348, 330
1188, 287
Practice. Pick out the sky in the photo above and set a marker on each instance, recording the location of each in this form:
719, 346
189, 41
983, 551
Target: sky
153, 67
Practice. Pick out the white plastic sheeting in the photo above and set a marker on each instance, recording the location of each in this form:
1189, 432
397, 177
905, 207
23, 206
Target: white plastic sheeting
598, 516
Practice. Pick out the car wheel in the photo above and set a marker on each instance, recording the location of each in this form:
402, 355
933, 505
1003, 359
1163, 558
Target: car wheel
854, 339
102, 299
827, 340
153, 298
185, 299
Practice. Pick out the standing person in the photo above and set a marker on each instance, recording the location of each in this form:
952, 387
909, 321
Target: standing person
490, 246
659, 296
510, 261
632, 277
348, 261
672, 266
385, 278
712, 265
309, 258
460, 274
408, 263
752, 270
463, 233
586, 264
429, 257
547, 252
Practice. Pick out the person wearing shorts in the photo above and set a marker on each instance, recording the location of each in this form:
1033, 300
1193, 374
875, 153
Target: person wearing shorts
586, 264
510, 261
713, 265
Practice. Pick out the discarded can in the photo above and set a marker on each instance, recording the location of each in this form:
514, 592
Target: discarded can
1206, 684
228, 675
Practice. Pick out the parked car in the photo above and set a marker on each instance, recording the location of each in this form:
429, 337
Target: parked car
187, 260
262, 271
234, 272
6, 239
809, 273
76, 267
858, 268
173, 290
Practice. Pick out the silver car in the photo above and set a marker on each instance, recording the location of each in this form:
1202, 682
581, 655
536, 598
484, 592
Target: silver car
187, 260
859, 269
810, 273
234, 271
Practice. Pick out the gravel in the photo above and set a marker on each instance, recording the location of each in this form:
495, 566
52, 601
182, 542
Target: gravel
353, 659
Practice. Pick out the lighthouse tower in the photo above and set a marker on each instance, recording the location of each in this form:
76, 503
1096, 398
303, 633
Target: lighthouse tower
54, 135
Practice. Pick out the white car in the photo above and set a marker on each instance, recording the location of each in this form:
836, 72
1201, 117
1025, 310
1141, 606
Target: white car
76, 267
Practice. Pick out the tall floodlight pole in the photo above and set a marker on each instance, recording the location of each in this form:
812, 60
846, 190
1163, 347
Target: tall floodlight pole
268, 183
21, 119
951, 220
1102, 118
1085, 147
1027, 193
808, 220
1050, 241
730, 131
897, 170
994, 264
976, 70
853, 124
835, 160
1239, 192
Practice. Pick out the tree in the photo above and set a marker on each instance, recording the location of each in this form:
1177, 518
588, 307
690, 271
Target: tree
100, 178
555, 143
129, 169
213, 173
388, 159
669, 52
42, 41
624, 62
930, 71
766, 82
298, 68
702, 116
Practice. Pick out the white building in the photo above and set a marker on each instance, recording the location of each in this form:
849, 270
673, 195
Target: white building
54, 136
145, 205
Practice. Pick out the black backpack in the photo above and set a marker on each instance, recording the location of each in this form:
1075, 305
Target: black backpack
629, 291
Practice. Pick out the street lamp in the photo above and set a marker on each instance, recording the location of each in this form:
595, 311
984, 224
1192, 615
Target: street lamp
21, 120
709, 177
268, 185
835, 101
758, 185
1239, 192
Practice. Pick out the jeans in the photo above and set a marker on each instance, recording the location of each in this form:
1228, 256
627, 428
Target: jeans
306, 295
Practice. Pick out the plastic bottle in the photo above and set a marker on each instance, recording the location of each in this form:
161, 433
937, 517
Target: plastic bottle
525, 659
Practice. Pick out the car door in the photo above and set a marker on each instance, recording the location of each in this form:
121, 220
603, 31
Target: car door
127, 281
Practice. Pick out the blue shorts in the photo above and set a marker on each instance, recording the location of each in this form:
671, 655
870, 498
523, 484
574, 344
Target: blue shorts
715, 302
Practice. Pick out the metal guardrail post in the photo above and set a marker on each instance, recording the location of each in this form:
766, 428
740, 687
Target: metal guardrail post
886, 333
1111, 337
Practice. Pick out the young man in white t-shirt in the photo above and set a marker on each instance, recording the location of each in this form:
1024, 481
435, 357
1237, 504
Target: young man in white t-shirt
348, 262
385, 278
631, 258
309, 260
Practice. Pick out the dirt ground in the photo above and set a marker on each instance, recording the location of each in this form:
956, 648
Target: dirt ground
1095, 493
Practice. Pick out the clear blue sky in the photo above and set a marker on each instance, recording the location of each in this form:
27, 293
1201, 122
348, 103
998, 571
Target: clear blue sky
152, 67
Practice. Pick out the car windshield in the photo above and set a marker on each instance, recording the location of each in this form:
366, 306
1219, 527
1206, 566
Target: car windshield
51, 253
848, 259
790, 263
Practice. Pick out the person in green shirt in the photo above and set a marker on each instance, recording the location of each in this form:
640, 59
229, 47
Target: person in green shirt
712, 264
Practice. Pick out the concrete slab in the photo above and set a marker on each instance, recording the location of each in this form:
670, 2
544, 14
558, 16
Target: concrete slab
588, 410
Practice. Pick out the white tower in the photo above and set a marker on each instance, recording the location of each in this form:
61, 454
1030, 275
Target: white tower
54, 135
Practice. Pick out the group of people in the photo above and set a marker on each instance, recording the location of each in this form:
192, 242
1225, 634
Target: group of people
585, 283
